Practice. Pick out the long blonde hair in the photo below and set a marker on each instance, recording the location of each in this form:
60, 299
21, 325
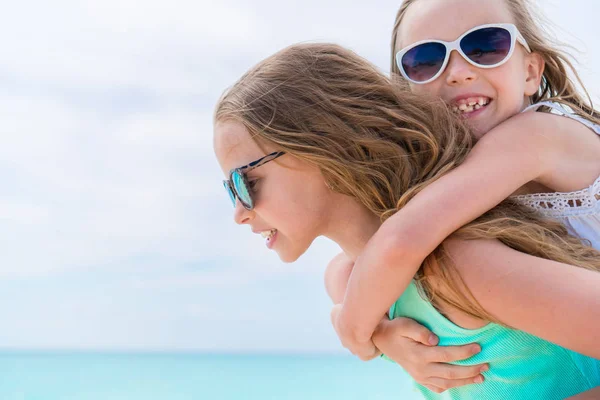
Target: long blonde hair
556, 85
376, 141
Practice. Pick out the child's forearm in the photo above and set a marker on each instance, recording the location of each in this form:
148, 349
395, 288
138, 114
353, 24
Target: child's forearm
380, 275
337, 276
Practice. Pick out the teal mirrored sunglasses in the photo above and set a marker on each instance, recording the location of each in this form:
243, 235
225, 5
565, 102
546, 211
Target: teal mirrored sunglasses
237, 185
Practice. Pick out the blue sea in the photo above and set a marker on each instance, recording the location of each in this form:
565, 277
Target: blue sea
179, 376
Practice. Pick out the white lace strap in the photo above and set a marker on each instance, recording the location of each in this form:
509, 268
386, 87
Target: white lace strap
562, 111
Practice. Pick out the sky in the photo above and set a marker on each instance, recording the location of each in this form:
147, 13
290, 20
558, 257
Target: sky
115, 230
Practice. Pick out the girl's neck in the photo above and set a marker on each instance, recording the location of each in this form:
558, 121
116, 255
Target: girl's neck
351, 225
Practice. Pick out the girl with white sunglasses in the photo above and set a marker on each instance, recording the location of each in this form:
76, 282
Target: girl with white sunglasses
491, 63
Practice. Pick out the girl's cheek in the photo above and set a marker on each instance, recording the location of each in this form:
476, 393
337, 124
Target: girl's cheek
430, 89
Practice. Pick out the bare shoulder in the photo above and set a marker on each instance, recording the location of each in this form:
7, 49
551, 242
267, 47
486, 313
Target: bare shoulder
481, 261
543, 125
568, 151
470, 256
530, 126
503, 280
528, 136
484, 266
492, 270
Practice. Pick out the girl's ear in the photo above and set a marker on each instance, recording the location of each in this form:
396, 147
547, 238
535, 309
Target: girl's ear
534, 64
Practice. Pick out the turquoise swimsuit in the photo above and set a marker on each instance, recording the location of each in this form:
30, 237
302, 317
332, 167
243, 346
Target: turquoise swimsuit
522, 366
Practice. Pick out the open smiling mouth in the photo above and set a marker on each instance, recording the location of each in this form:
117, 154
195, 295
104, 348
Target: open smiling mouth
270, 236
471, 104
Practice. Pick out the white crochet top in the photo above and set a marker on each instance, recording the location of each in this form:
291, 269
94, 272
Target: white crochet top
580, 210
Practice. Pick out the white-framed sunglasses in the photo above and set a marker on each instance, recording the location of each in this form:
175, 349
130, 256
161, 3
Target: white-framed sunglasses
485, 46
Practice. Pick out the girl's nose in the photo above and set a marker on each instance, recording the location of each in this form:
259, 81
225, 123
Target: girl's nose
459, 71
241, 215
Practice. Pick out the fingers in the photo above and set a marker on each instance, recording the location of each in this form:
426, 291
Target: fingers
439, 385
408, 343
369, 356
434, 389
408, 328
446, 354
365, 351
457, 372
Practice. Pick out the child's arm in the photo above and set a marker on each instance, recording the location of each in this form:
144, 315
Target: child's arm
337, 275
554, 301
409, 344
520, 150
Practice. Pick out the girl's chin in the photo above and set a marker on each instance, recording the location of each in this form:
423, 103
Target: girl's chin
288, 256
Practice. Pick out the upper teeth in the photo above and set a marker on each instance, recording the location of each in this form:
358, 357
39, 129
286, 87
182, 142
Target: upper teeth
268, 234
470, 104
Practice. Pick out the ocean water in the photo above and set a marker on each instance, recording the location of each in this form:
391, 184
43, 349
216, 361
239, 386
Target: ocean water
138, 376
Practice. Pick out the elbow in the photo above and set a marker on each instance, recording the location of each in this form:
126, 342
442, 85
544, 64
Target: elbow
350, 331
401, 245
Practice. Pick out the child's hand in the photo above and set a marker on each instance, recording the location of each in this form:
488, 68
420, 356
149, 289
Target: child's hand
414, 348
365, 351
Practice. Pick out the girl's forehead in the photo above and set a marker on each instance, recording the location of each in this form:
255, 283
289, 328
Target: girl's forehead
234, 146
448, 19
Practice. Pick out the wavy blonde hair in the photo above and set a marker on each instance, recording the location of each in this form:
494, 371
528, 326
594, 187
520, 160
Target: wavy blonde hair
556, 85
376, 141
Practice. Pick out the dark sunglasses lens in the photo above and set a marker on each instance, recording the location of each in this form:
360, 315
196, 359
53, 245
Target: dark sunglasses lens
242, 190
229, 192
422, 62
487, 46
